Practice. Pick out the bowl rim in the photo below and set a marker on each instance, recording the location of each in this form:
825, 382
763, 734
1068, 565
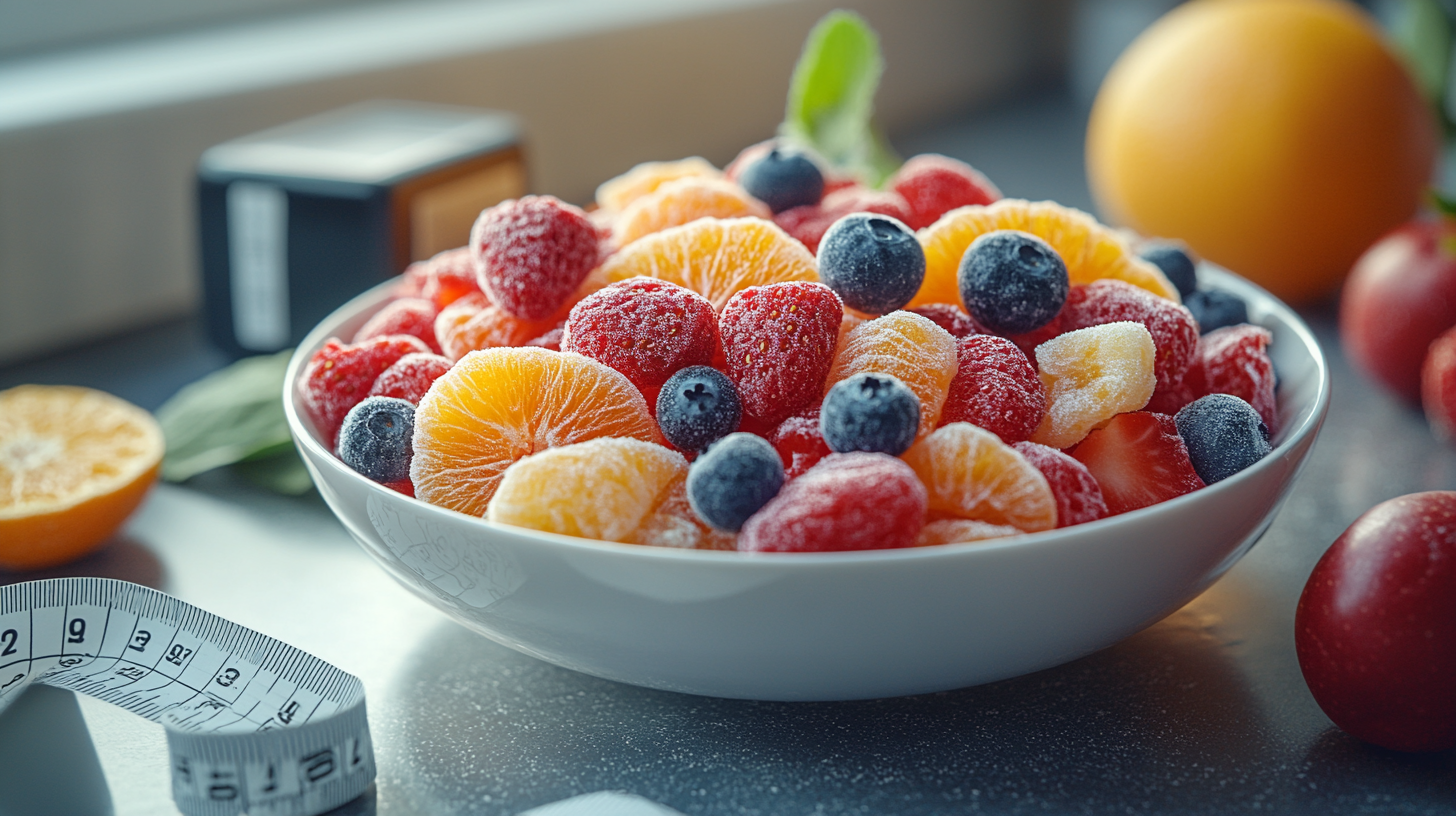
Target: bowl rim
303, 434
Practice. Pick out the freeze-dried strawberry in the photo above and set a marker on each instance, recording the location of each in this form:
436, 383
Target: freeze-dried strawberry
1174, 331
645, 328
809, 223
531, 253
410, 377
412, 316
1235, 362
934, 185
1079, 498
995, 387
951, 318
799, 443
338, 377
448, 276
778, 346
849, 501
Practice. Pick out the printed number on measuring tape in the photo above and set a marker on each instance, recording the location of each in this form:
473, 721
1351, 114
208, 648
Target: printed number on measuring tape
253, 725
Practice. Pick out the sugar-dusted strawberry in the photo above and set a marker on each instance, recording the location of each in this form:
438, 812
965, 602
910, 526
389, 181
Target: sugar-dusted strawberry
848, 501
1170, 399
338, 377
799, 443
648, 329
1079, 497
1174, 331
410, 377
995, 387
950, 317
447, 277
809, 223
778, 346
531, 254
412, 316
1235, 362
934, 185
1138, 460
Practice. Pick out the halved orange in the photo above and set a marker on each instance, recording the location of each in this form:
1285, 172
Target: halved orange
74, 463
1090, 250
717, 258
502, 404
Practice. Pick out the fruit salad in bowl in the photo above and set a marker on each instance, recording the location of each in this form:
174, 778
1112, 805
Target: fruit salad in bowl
752, 433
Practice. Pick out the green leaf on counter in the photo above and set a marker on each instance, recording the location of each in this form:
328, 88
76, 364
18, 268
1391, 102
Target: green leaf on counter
1423, 35
228, 416
832, 93
281, 472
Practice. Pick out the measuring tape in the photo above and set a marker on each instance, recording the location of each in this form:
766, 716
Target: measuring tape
253, 725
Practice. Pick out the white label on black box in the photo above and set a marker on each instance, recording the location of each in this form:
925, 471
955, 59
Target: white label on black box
257, 217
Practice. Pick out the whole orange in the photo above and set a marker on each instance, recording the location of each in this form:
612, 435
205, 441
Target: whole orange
1279, 138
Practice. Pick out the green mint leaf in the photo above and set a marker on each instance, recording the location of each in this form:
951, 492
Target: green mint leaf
831, 97
1423, 35
1444, 204
226, 417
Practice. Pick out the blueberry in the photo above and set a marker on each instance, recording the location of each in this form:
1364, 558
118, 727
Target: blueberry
1012, 282
873, 262
1177, 267
783, 179
376, 438
1224, 435
696, 406
870, 412
733, 478
1214, 309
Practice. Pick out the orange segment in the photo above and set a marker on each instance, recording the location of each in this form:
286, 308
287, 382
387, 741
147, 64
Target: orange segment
969, 473
500, 405
1090, 250
1092, 375
674, 524
602, 488
683, 201
904, 345
615, 194
74, 463
717, 258
959, 531
472, 322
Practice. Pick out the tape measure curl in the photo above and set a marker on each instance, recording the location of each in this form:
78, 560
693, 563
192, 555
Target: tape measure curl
253, 725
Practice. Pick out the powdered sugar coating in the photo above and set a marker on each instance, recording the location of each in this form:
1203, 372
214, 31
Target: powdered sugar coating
338, 377
933, 185
647, 329
410, 377
681, 201
1174, 331
531, 253
1092, 375
829, 508
951, 318
995, 387
905, 345
1223, 434
412, 316
1234, 361
969, 473
809, 223
799, 443
1079, 497
778, 345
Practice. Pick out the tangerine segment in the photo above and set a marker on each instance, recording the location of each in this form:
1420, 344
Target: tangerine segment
1090, 250
717, 258
74, 463
499, 405
1092, 375
674, 524
616, 193
971, 474
472, 322
603, 488
904, 345
683, 201
960, 531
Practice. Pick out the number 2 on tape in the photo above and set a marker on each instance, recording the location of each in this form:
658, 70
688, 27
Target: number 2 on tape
253, 725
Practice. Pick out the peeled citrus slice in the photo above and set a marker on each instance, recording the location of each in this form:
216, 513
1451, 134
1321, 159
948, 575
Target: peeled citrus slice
74, 463
717, 258
615, 194
970, 473
499, 405
683, 201
1090, 250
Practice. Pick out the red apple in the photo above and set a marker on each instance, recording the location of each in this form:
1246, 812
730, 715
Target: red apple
1400, 296
1375, 630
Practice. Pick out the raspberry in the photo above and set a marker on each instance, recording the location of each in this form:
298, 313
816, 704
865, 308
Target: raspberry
375, 438
733, 478
448, 276
778, 344
995, 387
530, 254
645, 328
412, 316
951, 318
1174, 331
1079, 498
934, 185
338, 377
1234, 362
809, 223
849, 501
1012, 282
549, 340
873, 262
799, 443
870, 412
410, 377
1223, 434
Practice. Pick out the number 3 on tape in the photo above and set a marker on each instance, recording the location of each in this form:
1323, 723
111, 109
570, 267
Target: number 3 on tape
253, 725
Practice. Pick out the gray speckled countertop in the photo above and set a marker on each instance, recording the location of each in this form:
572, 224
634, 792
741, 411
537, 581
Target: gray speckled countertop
1204, 712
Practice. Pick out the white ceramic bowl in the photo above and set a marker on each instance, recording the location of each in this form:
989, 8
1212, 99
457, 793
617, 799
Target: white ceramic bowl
831, 626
